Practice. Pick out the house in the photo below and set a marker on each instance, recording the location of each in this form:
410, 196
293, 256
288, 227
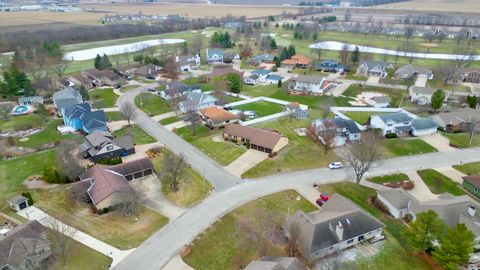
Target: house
222, 72
25, 247
229, 57
331, 65
261, 59
261, 74
124, 72
18, 203
276, 263
399, 123
372, 68
379, 101
309, 85
297, 61
149, 71
423, 126
339, 225
188, 62
346, 130
250, 80
65, 98
451, 209
273, 79
456, 121
423, 95
80, 117
263, 140
294, 109
215, 117
409, 71
468, 75
214, 56
472, 184
107, 184
177, 90
103, 77
196, 101
30, 101
100, 145
79, 79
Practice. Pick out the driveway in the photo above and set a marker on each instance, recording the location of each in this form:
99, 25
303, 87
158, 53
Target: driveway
420, 190
177, 125
373, 79
246, 161
117, 125
340, 88
164, 116
33, 213
140, 151
177, 264
438, 141
453, 174
421, 81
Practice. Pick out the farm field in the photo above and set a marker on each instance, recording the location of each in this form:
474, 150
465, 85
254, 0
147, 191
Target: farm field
436, 5
25, 18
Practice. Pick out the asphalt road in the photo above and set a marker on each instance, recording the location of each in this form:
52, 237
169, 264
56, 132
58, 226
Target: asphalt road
157, 251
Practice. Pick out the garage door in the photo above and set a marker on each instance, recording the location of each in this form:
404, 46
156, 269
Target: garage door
22, 205
147, 172
138, 175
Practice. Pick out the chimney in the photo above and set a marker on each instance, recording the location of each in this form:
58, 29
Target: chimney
472, 210
339, 231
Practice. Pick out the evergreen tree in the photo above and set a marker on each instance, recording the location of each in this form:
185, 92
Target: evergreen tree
472, 101
455, 247
291, 51
97, 61
279, 84
83, 91
283, 55
424, 230
355, 56
273, 44
277, 61
438, 98
105, 63
234, 82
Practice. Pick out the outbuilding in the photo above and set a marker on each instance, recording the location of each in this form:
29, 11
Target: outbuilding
18, 203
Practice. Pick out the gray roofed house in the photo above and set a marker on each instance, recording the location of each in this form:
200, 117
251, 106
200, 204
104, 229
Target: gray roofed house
423, 95
380, 101
215, 56
18, 203
423, 126
261, 58
346, 130
100, 145
80, 117
196, 101
398, 123
178, 89
66, 98
458, 120
330, 65
309, 84
338, 225
408, 71
276, 263
273, 78
372, 68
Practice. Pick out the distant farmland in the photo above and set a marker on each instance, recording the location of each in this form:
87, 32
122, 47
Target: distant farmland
438, 5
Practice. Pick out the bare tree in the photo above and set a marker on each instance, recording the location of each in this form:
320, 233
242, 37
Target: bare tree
61, 238
60, 68
409, 50
67, 161
197, 44
128, 202
5, 110
327, 133
363, 155
344, 53
221, 96
173, 168
446, 71
294, 247
194, 118
171, 69
465, 57
78, 192
128, 110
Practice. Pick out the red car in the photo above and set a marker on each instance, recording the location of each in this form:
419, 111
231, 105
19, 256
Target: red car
325, 197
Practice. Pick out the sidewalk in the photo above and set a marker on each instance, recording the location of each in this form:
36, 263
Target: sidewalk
164, 116
421, 190
451, 173
33, 213
176, 263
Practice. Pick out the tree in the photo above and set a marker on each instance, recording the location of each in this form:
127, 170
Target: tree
438, 97
273, 44
173, 168
294, 247
60, 68
355, 56
128, 202
327, 134
104, 63
291, 51
97, 61
84, 92
422, 233
455, 247
61, 237
446, 71
344, 53
472, 101
128, 110
234, 82
279, 84
5, 110
363, 154
194, 118
66, 161
171, 69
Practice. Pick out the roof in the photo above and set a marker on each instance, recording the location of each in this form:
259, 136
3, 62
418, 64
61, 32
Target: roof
195, 99
133, 166
104, 182
98, 137
66, 93
263, 57
409, 70
77, 110
211, 52
93, 120
394, 117
32, 98
222, 72
125, 142
350, 125
318, 229
456, 117
218, 115
149, 69
297, 59
423, 123
274, 77
260, 137
307, 79
18, 199
260, 72
372, 64
473, 179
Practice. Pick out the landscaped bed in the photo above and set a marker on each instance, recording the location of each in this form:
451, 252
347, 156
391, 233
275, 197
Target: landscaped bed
439, 183
104, 97
462, 140
469, 168
139, 136
406, 147
152, 104
261, 108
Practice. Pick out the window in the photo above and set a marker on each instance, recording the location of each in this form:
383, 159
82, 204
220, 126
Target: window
109, 147
350, 241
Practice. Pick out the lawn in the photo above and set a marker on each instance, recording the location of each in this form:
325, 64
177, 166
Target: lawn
462, 140
104, 97
388, 178
127, 88
191, 186
300, 154
396, 95
360, 117
220, 246
469, 168
402, 147
171, 120
139, 136
48, 135
22, 122
112, 228
222, 152
261, 108
439, 183
115, 116
152, 104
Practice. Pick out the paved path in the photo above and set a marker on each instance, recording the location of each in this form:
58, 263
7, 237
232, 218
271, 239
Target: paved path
117, 125
421, 81
373, 80
438, 141
177, 264
33, 213
453, 174
164, 116
177, 125
246, 161
115, 109
140, 151
340, 88
420, 190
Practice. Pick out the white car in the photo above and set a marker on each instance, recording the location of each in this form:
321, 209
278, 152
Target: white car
335, 165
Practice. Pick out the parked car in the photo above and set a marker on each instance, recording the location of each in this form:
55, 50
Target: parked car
325, 197
335, 165
319, 202
151, 89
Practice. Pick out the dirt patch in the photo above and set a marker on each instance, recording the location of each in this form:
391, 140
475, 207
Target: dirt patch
429, 45
35, 182
218, 138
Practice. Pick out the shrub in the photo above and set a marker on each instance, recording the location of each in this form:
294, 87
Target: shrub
110, 161
10, 141
51, 175
29, 197
391, 135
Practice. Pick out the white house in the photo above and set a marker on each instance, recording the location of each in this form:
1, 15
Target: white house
373, 68
346, 130
423, 126
214, 56
188, 62
273, 79
408, 71
399, 123
250, 80
423, 95
311, 85
261, 74
196, 101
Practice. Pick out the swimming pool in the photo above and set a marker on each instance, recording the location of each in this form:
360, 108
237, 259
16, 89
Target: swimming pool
21, 110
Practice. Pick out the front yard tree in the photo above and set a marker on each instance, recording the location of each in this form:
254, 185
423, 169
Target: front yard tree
355, 56
194, 118
60, 237
472, 101
128, 110
129, 202
173, 168
455, 247
327, 133
364, 154
97, 61
421, 233
234, 82
171, 69
438, 98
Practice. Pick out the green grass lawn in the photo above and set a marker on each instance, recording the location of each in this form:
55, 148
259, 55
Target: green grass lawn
127, 88
402, 147
300, 154
191, 186
139, 136
438, 83
103, 96
152, 104
22, 122
261, 108
219, 247
388, 178
462, 140
49, 134
115, 116
396, 95
222, 152
439, 183
171, 120
469, 168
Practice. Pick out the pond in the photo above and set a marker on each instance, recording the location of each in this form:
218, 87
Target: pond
338, 46
118, 49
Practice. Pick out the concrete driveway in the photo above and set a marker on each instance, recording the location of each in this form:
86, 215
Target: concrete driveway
438, 141
246, 161
373, 79
177, 125
421, 190
140, 151
452, 173
421, 82
340, 88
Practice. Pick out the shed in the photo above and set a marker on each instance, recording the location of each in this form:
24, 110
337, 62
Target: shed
18, 203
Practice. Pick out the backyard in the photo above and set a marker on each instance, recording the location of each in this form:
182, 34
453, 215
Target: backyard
406, 147
469, 168
22, 122
261, 108
439, 183
139, 136
152, 104
462, 140
48, 135
103, 97
396, 95
360, 117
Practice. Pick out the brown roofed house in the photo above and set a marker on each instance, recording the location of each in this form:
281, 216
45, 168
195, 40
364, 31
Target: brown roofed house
216, 117
222, 72
297, 61
103, 77
263, 140
149, 71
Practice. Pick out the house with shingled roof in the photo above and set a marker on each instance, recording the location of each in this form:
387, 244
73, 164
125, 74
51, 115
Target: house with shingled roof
80, 117
309, 85
297, 61
65, 98
215, 117
263, 140
196, 101
100, 145
346, 130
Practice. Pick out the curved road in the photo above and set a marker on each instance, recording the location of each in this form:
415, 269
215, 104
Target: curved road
232, 192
